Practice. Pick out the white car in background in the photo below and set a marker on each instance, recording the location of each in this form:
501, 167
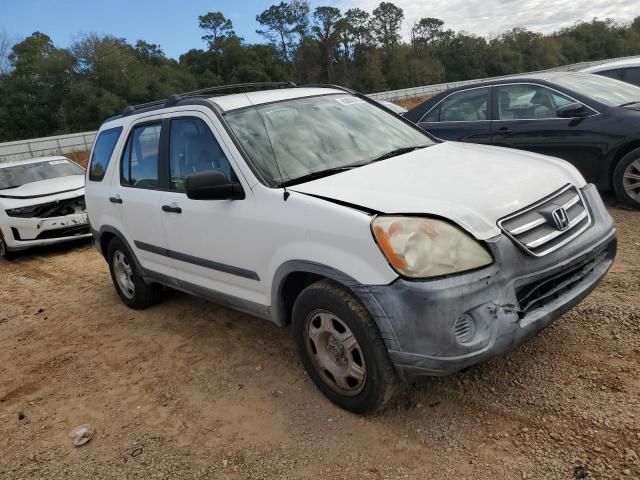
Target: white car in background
627, 70
41, 203
395, 108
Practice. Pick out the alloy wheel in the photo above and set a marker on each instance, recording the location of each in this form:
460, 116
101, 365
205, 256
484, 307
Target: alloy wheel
335, 353
631, 180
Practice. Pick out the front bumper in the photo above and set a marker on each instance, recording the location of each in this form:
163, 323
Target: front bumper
441, 326
23, 233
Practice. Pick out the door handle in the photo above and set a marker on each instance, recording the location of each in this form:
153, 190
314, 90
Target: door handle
505, 131
173, 208
116, 199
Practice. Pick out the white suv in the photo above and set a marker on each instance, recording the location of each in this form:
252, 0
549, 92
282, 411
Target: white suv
391, 255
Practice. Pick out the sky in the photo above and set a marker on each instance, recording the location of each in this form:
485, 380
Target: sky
174, 24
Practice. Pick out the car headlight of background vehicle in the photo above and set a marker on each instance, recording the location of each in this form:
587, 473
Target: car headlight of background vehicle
21, 212
425, 247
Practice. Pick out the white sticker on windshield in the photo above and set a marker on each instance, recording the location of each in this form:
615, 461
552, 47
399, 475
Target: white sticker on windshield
57, 162
350, 100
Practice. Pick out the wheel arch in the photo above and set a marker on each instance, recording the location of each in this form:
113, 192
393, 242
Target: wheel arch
619, 155
106, 235
294, 276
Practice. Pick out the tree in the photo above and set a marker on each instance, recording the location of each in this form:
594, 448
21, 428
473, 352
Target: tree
5, 50
285, 24
425, 31
218, 27
327, 30
385, 25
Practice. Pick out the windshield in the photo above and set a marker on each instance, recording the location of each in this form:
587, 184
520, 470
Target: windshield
605, 90
18, 175
308, 136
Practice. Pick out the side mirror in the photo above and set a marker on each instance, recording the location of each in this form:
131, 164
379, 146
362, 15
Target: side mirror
212, 185
572, 110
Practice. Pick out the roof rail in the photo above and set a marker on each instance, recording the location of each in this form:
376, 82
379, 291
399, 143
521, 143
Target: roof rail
175, 98
329, 85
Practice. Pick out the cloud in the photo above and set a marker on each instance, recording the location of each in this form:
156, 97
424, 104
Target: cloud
492, 17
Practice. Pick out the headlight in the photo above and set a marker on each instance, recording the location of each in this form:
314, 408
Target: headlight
424, 247
21, 212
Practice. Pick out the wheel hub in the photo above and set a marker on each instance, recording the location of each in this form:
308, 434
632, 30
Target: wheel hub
335, 353
336, 349
123, 274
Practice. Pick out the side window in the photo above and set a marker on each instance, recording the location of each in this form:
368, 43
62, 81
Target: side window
139, 165
632, 75
105, 143
432, 116
193, 149
529, 102
466, 106
616, 73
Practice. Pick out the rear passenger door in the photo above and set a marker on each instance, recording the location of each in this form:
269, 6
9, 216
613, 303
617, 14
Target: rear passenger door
138, 194
212, 242
462, 116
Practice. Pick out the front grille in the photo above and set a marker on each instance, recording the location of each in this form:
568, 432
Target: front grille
542, 291
550, 223
59, 208
74, 231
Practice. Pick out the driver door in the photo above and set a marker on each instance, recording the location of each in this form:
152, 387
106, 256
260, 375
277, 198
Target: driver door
527, 119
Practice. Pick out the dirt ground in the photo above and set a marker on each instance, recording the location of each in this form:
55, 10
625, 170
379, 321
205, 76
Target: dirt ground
188, 389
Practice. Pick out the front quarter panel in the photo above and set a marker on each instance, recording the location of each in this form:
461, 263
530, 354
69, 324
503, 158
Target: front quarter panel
309, 229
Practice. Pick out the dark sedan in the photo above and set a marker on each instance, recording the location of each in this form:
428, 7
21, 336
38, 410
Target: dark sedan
591, 121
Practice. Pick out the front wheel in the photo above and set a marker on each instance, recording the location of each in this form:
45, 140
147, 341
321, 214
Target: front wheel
626, 179
4, 251
341, 348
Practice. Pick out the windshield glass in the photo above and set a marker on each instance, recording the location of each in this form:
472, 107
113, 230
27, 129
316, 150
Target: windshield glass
18, 175
310, 135
605, 90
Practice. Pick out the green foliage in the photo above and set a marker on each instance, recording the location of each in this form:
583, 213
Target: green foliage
45, 90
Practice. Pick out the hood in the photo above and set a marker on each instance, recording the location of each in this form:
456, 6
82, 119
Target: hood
45, 188
471, 185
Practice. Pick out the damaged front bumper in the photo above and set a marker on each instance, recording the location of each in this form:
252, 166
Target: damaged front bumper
23, 233
441, 326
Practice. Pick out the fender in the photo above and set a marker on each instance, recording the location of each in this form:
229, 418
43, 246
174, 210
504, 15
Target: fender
361, 292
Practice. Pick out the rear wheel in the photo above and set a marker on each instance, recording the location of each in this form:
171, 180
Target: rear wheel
129, 284
626, 179
341, 348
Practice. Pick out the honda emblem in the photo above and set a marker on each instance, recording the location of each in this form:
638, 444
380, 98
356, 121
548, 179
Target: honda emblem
560, 218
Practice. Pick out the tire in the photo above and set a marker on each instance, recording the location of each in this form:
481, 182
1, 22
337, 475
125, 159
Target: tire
627, 190
342, 350
131, 288
4, 251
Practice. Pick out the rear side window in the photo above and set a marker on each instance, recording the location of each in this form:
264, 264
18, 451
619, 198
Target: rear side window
632, 75
139, 166
102, 151
616, 73
467, 106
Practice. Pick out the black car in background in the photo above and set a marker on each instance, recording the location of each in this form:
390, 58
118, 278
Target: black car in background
591, 121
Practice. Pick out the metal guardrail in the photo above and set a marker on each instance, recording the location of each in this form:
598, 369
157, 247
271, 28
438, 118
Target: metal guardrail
43, 147
63, 144
430, 90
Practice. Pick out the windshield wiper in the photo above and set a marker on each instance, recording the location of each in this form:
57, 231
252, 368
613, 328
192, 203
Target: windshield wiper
397, 152
316, 175
629, 103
